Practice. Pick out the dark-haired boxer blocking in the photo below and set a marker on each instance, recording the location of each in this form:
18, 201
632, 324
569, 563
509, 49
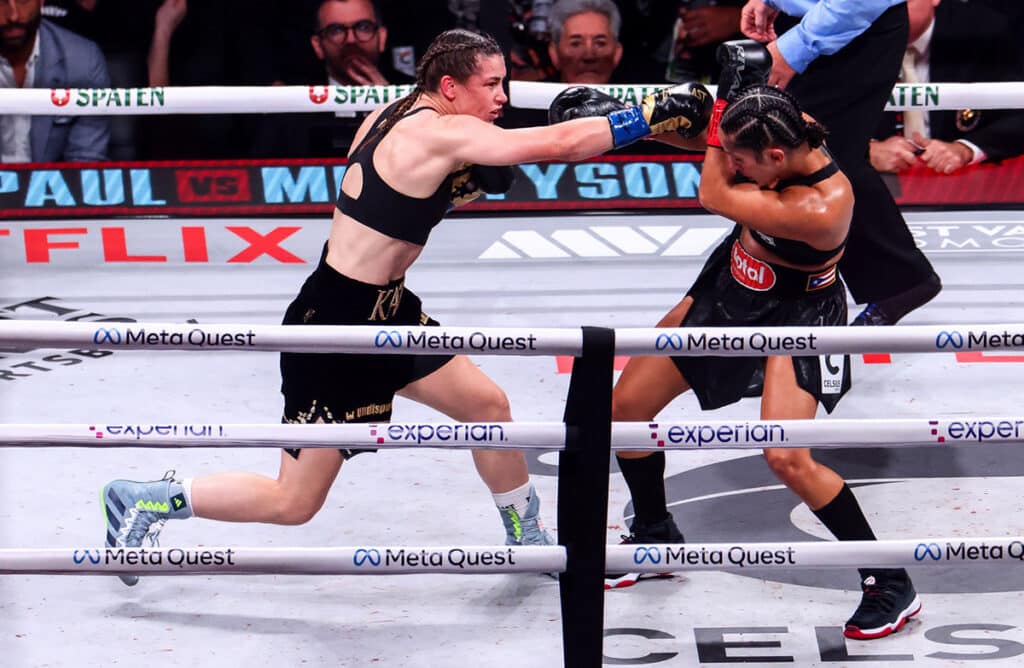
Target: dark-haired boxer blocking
410, 163
766, 169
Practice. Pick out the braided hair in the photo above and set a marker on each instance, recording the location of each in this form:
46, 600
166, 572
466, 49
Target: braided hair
453, 52
764, 116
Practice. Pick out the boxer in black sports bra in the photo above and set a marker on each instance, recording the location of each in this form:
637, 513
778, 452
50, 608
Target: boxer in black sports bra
410, 163
792, 209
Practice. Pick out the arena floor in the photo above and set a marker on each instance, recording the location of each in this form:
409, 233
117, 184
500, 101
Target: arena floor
613, 270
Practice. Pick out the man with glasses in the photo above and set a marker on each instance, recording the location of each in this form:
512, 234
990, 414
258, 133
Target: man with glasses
349, 38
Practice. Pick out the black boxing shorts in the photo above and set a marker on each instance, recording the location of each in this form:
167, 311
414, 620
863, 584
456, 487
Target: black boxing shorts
341, 387
735, 289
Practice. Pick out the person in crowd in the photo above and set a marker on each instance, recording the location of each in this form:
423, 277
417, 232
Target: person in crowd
954, 41
35, 53
529, 23
350, 40
412, 160
584, 48
841, 61
113, 25
675, 40
158, 62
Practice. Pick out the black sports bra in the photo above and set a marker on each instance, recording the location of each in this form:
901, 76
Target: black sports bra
381, 207
791, 250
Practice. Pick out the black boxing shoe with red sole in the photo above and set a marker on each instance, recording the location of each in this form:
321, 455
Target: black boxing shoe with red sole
663, 532
885, 606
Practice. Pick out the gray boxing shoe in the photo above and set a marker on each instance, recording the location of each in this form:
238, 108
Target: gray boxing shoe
136, 511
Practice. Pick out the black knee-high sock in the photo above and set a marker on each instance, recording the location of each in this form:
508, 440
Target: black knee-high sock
845, 519
645, 478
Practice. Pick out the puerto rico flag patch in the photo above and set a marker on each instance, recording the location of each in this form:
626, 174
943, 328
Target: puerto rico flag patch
822, 279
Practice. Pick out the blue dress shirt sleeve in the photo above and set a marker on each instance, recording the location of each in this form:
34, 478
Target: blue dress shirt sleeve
826, 27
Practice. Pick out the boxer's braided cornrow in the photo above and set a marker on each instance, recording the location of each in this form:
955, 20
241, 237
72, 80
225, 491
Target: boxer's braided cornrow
764, 116
453, 52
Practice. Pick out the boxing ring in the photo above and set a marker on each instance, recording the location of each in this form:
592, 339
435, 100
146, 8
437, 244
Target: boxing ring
953, 492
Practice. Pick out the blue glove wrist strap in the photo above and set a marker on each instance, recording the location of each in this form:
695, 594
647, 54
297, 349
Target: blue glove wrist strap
628, 125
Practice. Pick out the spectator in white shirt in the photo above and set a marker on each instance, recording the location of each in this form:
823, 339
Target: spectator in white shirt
35, 53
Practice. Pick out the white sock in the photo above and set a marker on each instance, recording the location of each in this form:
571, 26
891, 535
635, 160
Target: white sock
186, 486
518, 498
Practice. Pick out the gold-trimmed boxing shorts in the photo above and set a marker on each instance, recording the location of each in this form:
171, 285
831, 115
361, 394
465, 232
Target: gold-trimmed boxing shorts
343, 387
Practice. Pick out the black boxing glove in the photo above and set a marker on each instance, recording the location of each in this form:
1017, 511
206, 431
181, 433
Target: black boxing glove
744, 63
472, 181
581, 102
684, 109
692, 102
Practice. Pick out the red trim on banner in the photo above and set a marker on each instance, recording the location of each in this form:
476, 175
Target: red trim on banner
981, 184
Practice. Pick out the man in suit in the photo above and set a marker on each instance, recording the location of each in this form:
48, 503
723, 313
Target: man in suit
35, 53
954, 41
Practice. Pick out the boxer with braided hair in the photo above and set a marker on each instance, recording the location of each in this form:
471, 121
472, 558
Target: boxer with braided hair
767, 169
766, 116
410, 163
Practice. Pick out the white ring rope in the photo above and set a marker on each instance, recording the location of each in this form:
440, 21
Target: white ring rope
404, 560
196, 100
692, 341
292, 338
827, 433
933, 96
757, 342
350, 99
684, 435
818, 554
449, 435
365, 560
